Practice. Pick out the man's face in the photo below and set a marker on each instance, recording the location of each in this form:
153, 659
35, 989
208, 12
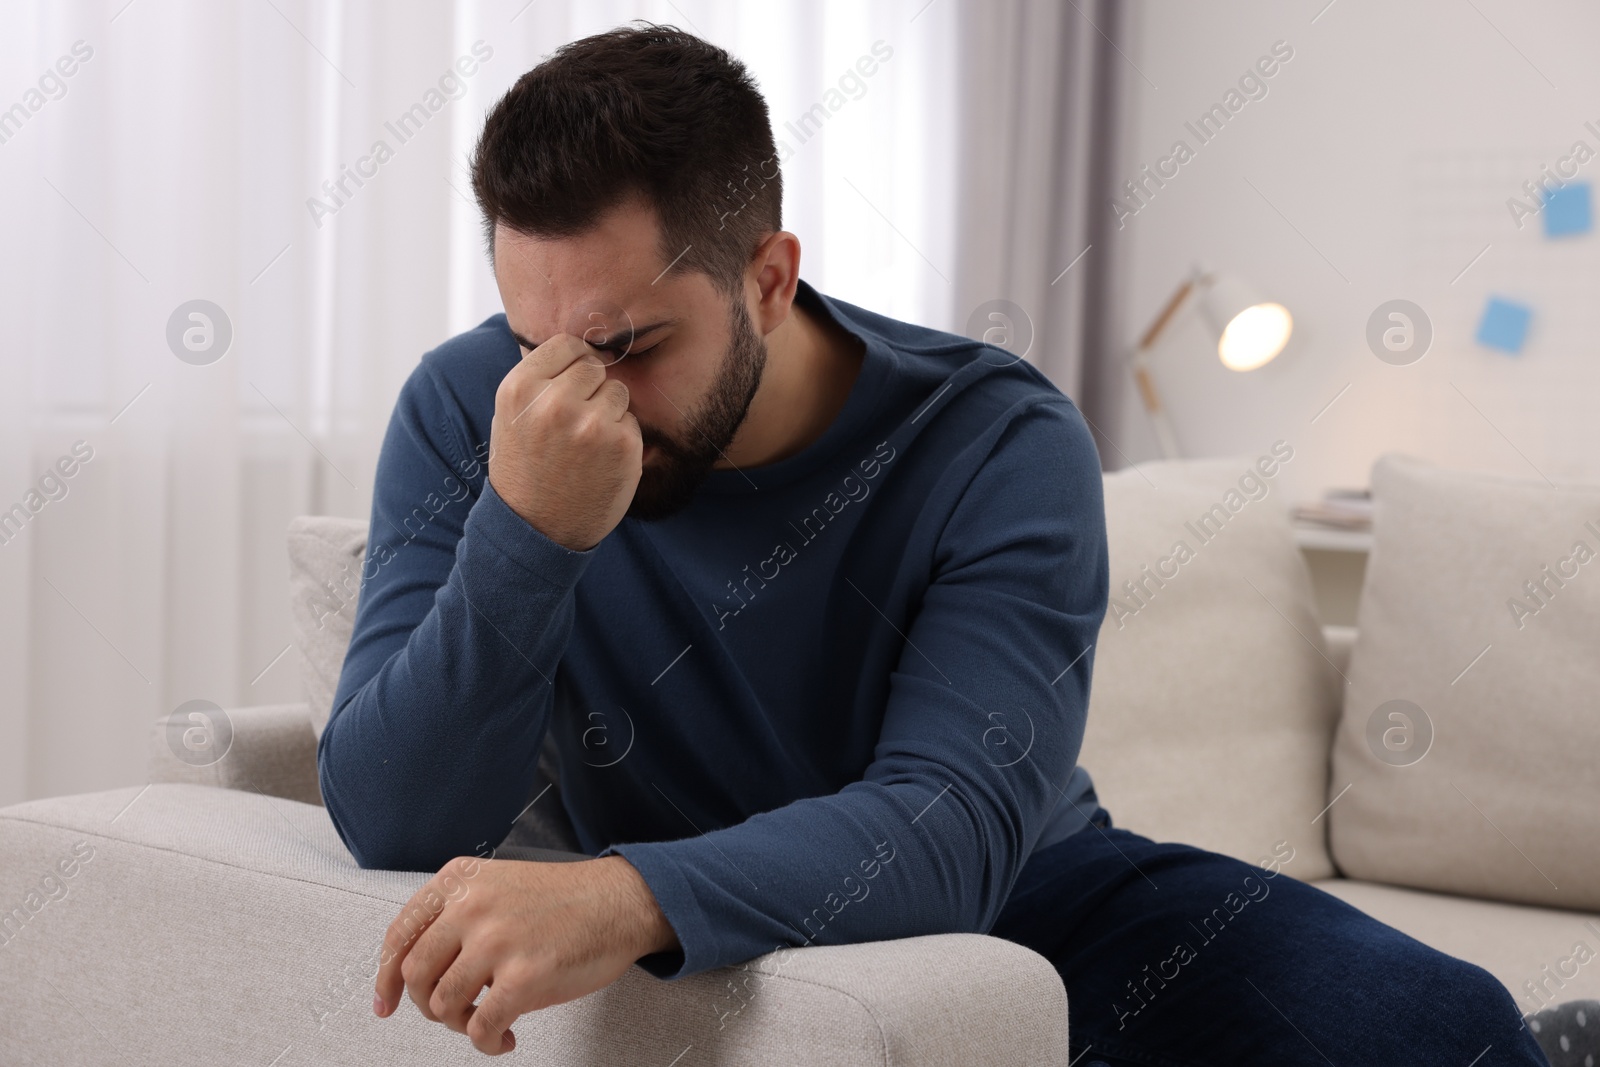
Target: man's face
690, 356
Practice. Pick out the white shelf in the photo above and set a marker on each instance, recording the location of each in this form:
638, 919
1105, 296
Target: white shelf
1328, 539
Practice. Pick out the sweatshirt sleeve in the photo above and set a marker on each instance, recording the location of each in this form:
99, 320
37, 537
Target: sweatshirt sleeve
995, 664
445, 695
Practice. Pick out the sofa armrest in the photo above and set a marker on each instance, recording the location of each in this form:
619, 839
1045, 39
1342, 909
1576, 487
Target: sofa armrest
268, 749
202, 925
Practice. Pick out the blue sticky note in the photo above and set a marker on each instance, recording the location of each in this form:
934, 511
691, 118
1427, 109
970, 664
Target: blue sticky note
1567, 211
1504, 325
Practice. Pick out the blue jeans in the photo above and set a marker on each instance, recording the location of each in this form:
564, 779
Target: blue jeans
1177, 957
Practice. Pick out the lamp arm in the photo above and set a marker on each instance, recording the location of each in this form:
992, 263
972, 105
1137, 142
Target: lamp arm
1154, 331
1141, 370
1152, 405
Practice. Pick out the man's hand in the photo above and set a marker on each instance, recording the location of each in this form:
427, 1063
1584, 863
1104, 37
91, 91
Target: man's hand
565, 453
536, 934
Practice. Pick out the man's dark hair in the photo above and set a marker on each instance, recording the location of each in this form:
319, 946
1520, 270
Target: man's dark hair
645, 109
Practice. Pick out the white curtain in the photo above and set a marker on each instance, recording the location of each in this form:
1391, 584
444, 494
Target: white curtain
149, 474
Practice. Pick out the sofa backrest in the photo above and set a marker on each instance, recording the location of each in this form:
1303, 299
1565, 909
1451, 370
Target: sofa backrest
1214, 699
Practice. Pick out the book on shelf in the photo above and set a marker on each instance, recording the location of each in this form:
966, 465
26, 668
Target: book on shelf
1339, 509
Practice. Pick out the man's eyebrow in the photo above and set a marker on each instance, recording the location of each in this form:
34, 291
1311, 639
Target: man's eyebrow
614, 342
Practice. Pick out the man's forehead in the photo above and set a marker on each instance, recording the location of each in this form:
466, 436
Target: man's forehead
554, 285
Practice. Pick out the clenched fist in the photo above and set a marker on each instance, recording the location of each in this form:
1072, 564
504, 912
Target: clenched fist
565, 453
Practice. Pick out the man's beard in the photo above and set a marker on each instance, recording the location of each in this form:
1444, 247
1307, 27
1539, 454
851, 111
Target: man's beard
667, 486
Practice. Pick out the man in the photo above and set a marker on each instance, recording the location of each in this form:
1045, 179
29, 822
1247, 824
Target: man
783, 579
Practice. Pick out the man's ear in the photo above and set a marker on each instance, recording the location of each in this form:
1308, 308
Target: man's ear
770, 280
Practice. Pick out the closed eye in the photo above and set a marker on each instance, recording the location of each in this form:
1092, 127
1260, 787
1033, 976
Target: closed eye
649, 350
616, 351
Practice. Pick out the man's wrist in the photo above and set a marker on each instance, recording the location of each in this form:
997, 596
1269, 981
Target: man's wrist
645, 924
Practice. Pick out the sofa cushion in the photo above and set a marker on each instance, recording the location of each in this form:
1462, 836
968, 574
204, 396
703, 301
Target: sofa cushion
1540, 954
1466, 749
1213, 700
325, 559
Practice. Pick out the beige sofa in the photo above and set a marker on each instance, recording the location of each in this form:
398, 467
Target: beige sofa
213, 916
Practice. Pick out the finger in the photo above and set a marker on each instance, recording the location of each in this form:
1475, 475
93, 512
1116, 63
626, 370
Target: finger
614, 394
429, 958
585, 376
490, 1024
571, 365
580, 378
557, 354
457, 988
414, 919
523, 410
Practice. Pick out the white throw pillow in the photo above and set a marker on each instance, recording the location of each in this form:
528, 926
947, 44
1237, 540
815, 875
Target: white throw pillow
1492, 788
1213, 702
325, 556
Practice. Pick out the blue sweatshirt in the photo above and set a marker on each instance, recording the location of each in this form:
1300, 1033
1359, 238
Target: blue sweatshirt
838, 698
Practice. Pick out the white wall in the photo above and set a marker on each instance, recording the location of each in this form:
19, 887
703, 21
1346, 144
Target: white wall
1384, 153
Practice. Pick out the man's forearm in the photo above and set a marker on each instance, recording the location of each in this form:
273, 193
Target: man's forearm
430, 755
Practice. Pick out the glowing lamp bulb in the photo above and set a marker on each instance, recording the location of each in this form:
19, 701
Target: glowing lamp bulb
1255, 336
